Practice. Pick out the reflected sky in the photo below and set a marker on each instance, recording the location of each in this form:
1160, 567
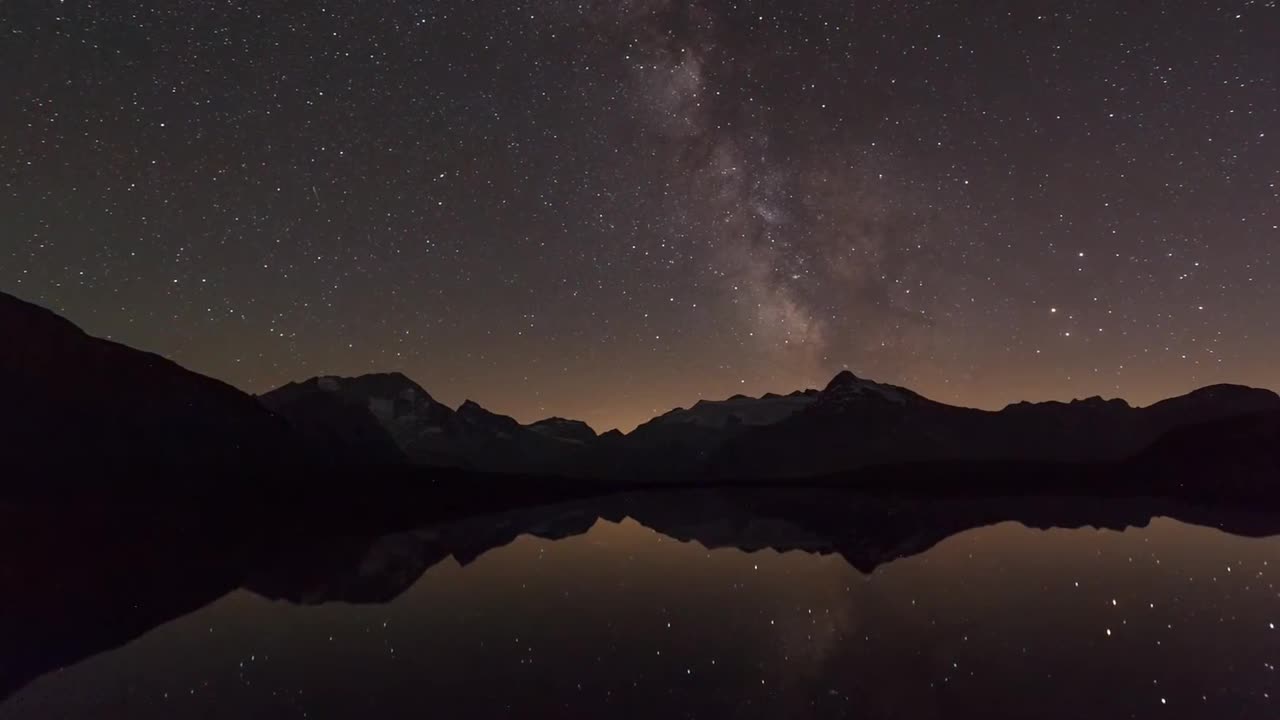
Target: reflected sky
1171, 620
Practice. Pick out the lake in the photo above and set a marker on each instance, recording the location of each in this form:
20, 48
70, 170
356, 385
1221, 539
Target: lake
698, 605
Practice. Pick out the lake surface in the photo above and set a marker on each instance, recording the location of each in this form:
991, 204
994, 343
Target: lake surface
614, 618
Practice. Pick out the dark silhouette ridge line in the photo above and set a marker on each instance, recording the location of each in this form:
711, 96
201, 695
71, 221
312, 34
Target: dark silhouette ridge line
80, 403
840, 377
13, 306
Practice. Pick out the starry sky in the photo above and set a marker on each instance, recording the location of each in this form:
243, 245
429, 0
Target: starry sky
603, 209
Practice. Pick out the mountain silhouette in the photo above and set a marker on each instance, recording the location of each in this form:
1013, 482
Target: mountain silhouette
337, 424
417, 428
572, 431
75, 401
420, 429
1235, 457
855, 423
86, 405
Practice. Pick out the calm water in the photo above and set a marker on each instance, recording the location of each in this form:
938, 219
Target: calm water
1168, 620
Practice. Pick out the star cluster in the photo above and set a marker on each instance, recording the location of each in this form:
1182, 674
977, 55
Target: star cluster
606, 209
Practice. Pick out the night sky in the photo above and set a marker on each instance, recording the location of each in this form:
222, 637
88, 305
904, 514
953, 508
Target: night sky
605, 209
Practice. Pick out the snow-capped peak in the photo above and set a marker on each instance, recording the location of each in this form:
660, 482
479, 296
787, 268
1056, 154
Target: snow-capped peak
847, 387
742, 409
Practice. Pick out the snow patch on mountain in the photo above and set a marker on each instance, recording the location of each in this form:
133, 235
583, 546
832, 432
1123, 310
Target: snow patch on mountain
749, 411
846, 388
570, 431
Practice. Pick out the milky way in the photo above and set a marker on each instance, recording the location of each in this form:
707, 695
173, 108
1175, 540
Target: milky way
804, 242
607, 209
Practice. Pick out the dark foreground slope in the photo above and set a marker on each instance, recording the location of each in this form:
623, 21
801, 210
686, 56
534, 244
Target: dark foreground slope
1236, 458
75, 402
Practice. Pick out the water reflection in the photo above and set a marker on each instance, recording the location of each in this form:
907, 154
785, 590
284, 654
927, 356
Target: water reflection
703, 605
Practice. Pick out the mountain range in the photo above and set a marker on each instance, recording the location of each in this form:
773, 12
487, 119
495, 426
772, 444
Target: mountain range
81, 401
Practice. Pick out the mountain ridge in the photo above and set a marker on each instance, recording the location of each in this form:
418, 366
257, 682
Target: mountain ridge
125, 406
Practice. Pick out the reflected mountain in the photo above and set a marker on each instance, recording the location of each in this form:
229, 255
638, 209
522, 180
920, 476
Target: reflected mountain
81, 584
78, 583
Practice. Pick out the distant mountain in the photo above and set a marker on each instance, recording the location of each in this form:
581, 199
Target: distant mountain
855, 423
414, 427
422, 430
484, 422
737, 410
500, 443
75, 401
427, 432
678, 444
571, 431
847, 391
333, 423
